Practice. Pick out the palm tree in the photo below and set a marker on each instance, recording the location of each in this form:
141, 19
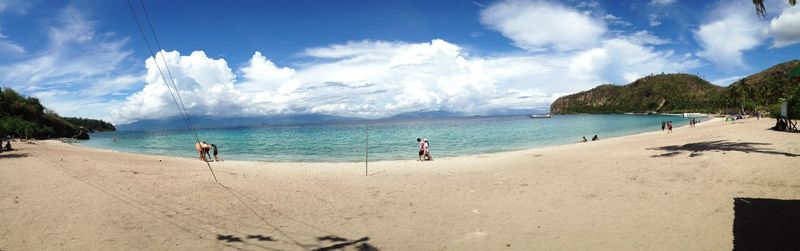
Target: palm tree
762, 11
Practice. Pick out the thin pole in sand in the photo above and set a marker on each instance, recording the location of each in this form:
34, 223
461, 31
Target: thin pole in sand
366, 154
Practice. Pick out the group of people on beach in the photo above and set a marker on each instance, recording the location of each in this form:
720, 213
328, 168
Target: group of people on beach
595, 138
692, 122
424, 150
666, 125
204, 150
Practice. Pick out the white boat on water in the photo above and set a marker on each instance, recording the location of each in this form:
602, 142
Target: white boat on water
540, 116
694, 115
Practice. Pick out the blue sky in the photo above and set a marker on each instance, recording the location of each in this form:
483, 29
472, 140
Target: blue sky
372, 58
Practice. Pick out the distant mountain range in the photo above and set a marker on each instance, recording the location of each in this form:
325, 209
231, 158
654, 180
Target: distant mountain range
677, 93
218, 122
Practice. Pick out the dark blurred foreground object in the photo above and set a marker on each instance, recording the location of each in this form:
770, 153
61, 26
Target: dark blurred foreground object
766, 224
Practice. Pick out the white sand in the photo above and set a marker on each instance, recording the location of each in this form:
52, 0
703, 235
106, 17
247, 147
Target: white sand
610, 194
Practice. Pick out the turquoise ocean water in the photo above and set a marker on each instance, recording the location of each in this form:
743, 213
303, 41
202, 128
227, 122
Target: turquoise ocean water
388, 139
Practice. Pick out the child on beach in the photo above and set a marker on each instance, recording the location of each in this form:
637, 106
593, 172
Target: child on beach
427, 150
421, 148
213, 146
669, 127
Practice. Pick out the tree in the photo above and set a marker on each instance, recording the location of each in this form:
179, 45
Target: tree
762, 11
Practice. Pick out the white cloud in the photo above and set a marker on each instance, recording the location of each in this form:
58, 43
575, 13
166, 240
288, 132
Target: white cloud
16, 6
615, 20
785, 29
381, 78
662, 2
205, 87
735, 29
646, 38
378, 78
588, 4
77, 69
541, 25
622, 61
654, 21
7, 46
727, 80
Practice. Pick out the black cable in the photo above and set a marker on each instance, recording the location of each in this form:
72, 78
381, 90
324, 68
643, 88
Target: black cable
180, 106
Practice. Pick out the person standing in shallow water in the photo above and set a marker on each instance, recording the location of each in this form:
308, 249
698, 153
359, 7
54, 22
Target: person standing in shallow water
663, 125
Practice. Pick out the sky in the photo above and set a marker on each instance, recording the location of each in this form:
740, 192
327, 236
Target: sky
370, 59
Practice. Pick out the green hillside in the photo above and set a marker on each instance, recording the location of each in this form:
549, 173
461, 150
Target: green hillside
764, 90
25, 117
677, 93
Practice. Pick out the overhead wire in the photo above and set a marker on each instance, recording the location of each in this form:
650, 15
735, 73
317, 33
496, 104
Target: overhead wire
169, 72
182, 108
178, 101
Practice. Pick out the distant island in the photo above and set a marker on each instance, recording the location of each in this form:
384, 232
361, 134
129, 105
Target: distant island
25, 117
679, 93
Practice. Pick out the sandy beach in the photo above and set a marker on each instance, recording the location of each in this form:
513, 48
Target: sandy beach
646, 191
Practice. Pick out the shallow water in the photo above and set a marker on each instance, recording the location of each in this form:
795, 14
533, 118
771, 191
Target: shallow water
388, 139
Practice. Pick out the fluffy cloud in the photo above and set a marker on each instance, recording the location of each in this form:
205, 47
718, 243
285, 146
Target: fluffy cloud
367, 79
378, 78
623, 60
540, 25
203, 84
77, 70
785, 29
733, 30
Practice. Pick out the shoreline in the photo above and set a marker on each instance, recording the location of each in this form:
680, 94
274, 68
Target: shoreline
389, 160
643, 191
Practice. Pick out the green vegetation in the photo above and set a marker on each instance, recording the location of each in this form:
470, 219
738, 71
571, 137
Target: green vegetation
92, 125
764, 91
664, 93
25, 117
678, 93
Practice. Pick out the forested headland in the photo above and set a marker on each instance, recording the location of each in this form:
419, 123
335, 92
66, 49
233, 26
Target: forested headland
26, 117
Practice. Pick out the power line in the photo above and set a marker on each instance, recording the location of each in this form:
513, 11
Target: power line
163, 59
178, 101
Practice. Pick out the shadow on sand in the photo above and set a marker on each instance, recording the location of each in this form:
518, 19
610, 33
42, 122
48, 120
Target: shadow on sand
324, 243
766, 224
697, 148
11, 155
